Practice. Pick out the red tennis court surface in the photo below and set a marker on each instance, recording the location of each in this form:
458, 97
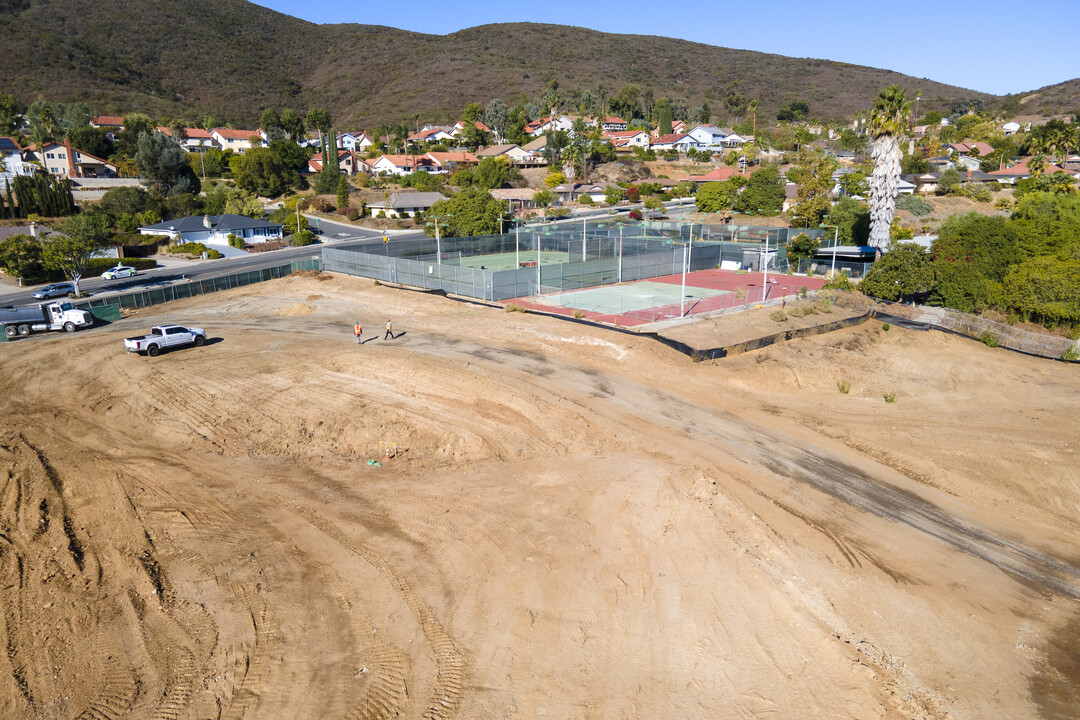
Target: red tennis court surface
727, 281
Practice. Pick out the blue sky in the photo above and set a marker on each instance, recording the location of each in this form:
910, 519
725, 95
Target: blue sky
985, 45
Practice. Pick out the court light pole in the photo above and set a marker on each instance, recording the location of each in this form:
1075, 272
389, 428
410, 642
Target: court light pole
836, 242
765, 268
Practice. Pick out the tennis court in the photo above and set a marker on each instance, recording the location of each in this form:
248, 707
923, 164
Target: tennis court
508, 260
629, 297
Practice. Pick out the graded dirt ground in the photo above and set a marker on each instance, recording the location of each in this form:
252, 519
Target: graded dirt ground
578, 523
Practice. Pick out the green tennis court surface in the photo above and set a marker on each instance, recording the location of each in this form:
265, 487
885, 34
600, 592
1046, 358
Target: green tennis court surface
619, 299
508, 261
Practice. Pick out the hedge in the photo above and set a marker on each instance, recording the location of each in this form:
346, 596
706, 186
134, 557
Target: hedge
96, 266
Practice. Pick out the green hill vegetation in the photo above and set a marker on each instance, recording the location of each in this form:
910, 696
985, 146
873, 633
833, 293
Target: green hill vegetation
232, 59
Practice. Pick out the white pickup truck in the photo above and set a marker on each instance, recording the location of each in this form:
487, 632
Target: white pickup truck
165, 336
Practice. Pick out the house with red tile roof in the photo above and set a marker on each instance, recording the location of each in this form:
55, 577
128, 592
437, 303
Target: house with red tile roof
348, 162
236, 140
667, 142
612, 124
108, 122
460, 125
1021, 171
195, 139
628, 138
964, 148
64, 160
430, 134
449, 161
402, 164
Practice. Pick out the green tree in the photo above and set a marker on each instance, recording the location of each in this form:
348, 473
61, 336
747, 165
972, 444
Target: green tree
903, 273
545, 198
129, 200
497, 117
614, 194
320, 120
664, 121
717, 196
270, 122
793, 111
472, 113
264, 173
813, 175
290, 153
1047, 224
163, 166
292, 124
852, 221
491, 173
11, 114
763, 194
135, 124
20, 257
888, 121
802, 246
1045, 289
950, 179
90, 140
914, 165
69, 250
343, 192
471, 212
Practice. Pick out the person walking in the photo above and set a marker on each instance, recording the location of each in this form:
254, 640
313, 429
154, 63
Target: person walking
358, 331
389, 330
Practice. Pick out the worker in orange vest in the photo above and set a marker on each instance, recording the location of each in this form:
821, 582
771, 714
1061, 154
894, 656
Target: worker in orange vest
358, 331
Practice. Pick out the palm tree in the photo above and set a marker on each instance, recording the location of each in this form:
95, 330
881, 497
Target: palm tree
753, 108
1036, 165
888, 120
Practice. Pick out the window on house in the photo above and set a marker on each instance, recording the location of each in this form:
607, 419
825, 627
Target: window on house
49, 155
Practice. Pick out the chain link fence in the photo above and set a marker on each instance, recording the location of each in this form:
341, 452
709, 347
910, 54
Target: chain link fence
178, 291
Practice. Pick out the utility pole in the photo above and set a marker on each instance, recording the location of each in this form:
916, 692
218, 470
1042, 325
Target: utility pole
517, 248
682, 295
765, 268
584, 226
620, 253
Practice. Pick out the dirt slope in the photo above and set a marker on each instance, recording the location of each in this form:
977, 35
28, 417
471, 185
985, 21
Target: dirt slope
577, 523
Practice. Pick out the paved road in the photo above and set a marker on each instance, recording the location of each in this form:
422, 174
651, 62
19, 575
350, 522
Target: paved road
331, 233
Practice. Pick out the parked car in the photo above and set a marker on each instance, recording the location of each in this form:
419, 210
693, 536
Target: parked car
120, 271
54, 291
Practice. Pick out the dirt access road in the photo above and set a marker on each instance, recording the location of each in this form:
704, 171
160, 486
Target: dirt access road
578, 523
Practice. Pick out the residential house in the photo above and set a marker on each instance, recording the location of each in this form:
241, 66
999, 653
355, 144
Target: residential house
612, 124
734, 140
687, 143
460, 125
515, 154
430, 134
215, 229
11, 159
1010, 128
405, 204
108, 123
677, 128
791, 195
402, 164
354, 141
568, 192
1021, 171
1072, 163
195, 139
961, 162
965, 148
536, 147
67, 161
348, 162
538, 127
518, 199
708, 137
628, 138
666, 142
449, 162
236, 140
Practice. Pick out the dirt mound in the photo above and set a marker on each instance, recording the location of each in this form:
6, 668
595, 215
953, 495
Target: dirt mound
297, 309
572, 517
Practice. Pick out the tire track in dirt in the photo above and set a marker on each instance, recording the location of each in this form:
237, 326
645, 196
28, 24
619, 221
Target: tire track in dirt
450, 663
118, 684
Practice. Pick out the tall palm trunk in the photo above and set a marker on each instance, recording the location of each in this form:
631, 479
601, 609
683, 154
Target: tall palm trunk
884, 185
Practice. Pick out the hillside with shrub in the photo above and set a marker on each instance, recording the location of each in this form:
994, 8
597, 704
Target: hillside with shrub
231, 59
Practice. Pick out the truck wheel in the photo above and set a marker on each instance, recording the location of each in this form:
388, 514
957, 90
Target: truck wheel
24, 330
9, 330
153, 351
200, 341
69, 327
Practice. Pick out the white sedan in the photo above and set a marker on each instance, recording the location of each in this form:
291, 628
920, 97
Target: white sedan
120, 271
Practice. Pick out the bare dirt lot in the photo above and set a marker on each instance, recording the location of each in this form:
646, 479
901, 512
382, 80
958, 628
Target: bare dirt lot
578, 523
